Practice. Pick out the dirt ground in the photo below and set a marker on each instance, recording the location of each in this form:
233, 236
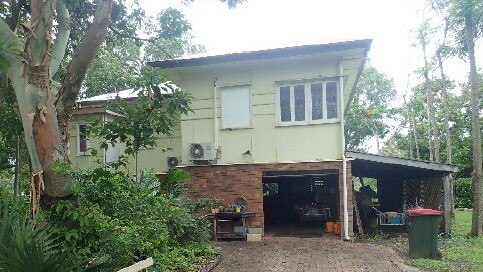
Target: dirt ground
326, 253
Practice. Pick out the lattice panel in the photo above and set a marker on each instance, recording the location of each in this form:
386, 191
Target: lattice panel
426, 193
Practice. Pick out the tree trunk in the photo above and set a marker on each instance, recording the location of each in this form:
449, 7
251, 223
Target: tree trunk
430, 142
31, 78
447, 133
16, 178
77, 68
449, 155
444, 92
411, 128
416, 140
378, 146
477, 223
410, 141
434, 137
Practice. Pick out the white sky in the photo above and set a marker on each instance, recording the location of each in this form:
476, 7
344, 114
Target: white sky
262, 24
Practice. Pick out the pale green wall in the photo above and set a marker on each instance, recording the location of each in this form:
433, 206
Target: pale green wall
148, 159
83, 161
154, 158
266, 141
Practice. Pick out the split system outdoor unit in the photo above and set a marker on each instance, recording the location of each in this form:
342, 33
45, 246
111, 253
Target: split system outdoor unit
202, 152
173, 162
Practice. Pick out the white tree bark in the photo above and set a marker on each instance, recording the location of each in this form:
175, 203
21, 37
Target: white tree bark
31, 72
477, 175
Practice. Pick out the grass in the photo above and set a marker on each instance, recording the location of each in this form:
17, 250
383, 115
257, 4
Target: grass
460, 253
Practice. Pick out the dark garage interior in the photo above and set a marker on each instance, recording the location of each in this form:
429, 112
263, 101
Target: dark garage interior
299, 201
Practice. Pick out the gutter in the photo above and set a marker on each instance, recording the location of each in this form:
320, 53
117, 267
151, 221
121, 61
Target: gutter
262, 54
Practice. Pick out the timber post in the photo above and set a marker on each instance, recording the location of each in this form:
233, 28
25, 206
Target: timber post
448, 205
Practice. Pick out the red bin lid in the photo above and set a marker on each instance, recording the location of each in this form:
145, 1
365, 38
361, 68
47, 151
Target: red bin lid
424, 212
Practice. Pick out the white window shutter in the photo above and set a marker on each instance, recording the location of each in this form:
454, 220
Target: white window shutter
235, 106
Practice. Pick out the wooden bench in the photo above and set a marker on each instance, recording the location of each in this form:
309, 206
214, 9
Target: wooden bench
138, 266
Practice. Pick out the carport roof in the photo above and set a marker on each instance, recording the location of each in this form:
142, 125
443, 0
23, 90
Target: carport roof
377, 166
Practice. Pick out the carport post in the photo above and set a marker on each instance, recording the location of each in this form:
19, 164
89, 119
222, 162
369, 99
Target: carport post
448, 205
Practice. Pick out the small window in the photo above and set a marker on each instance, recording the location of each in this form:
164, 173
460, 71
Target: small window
308, 103
82, 139
235, 106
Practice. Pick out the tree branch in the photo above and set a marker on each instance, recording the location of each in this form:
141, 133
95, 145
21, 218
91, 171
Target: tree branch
123, 35
21, 87
59, 47
15, 9
13, 42
82, 58
152, 40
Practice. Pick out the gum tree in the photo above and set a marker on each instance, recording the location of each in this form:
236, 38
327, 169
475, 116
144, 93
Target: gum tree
466, 23
46, 35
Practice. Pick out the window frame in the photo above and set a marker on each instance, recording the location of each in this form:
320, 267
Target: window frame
79, 152
308, 103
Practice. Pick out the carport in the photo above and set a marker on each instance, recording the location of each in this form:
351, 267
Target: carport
406, 183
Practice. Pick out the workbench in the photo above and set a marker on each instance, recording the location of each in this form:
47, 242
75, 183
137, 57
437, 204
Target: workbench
221, 217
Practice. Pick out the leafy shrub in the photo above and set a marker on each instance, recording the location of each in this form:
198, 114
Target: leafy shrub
463, 193
114, 217
28, 247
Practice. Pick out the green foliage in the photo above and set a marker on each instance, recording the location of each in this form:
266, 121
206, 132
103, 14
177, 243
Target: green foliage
203, 203
171, 185
4, 63
122, 62
464, 253
370, 109
463, 193
124, 221
457, 107
143, 119
428, 263
460, 253
28, 247
462, 223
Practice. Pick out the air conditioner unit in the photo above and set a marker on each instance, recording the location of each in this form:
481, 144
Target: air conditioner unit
202, 152
173, 162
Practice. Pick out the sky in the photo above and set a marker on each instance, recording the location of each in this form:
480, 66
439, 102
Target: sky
263, 24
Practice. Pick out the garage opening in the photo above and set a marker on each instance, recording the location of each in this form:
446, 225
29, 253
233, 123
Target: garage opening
300, 202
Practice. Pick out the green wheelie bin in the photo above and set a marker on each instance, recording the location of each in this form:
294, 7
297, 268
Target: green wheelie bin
423, 233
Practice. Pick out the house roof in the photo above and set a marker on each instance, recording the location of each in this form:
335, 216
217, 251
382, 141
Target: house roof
262, 54
97, 101
129, 93
376, 166
95, 110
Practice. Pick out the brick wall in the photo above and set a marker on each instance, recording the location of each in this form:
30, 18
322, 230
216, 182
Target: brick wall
228, 183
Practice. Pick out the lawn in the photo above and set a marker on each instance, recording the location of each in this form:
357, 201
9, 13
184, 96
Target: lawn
460, 253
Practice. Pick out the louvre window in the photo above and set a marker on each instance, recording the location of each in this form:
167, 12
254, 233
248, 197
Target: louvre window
308, 103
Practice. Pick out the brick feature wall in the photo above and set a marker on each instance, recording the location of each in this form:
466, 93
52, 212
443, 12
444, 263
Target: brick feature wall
228, 183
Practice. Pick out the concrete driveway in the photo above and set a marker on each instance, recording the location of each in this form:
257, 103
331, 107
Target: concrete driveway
326, 253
